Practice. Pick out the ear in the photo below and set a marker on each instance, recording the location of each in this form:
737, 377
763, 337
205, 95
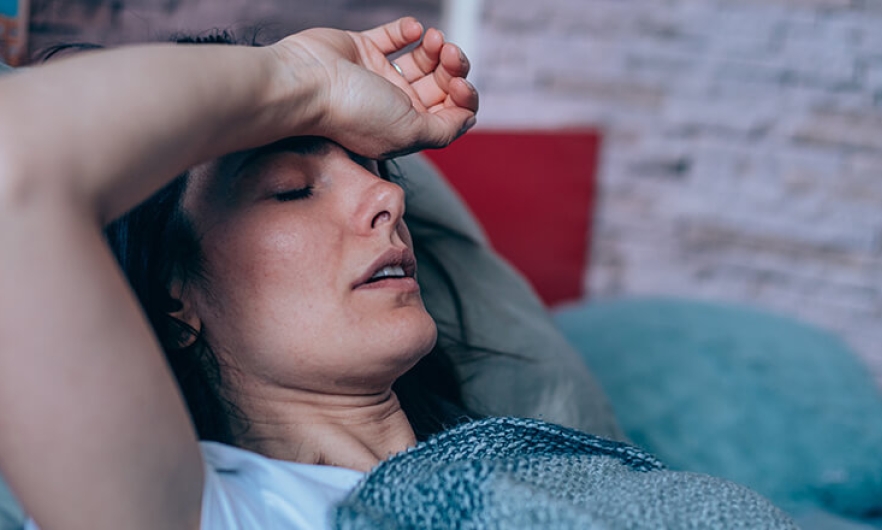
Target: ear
184, 313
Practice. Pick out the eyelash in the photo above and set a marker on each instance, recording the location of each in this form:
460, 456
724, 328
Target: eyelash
295, 195
391, 174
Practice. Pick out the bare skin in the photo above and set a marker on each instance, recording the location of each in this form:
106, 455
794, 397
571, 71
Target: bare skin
310, 359
357, 432
93, 432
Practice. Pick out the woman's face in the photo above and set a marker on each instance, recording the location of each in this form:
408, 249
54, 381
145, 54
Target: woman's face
291, 236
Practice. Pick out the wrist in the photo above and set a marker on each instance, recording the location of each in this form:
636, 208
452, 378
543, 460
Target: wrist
297, 92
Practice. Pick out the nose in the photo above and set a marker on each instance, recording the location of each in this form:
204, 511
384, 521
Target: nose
382, 207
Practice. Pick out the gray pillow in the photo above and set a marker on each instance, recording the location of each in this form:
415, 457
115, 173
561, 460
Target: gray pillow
536, 373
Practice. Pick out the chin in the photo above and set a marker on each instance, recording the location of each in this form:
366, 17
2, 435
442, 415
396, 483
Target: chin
414, 336
424, 334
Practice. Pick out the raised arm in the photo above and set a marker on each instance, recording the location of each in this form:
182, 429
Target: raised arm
93, 432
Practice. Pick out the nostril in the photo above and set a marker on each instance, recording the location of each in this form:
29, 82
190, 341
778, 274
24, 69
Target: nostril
381, 217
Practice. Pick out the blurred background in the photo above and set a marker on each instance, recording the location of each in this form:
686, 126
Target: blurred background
741, 152
742, 144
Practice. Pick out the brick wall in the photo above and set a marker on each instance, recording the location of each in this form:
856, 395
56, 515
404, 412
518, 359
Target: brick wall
117, 21
743, 154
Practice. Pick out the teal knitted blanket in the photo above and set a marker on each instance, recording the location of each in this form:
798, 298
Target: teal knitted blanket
516, 473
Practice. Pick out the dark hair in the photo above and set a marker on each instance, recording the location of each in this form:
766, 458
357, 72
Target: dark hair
155, 244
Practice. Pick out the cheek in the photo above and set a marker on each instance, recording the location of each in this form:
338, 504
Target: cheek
263, 280
249, 260
279, 303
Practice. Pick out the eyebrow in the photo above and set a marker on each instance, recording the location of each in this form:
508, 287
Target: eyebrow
300, 145
362, 161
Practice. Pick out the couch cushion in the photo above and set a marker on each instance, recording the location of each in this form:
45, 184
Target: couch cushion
763, 400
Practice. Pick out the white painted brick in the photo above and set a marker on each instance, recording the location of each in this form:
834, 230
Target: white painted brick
600, 19
861, 29
873, 74
594, 58
868, 164
842, 130
738, 116
741, 157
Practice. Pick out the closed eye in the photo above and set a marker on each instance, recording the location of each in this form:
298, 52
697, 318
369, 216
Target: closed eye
294, 195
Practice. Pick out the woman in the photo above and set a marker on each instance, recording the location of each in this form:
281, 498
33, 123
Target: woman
279, 278
87, 138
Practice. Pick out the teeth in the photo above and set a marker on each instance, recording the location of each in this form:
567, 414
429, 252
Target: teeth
395, 271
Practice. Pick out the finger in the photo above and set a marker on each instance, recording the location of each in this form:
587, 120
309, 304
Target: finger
429, 92
435, 88
454, 61
442, 127
428, 131
393, 36
462, 94
424, 58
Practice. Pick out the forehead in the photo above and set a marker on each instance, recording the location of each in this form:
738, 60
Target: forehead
231, 167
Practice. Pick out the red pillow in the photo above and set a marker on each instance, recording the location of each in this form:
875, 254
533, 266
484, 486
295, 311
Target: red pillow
533, 192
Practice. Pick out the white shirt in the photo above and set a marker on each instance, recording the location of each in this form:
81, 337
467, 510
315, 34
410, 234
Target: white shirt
247, 491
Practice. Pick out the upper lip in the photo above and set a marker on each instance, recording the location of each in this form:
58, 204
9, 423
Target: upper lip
402, 257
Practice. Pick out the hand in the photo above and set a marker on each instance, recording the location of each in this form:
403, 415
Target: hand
370, 108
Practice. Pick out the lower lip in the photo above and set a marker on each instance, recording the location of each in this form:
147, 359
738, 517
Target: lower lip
398, 284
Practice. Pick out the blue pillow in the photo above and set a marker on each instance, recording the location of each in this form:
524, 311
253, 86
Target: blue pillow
765, 401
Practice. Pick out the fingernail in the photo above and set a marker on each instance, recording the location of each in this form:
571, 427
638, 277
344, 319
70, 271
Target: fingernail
469, 124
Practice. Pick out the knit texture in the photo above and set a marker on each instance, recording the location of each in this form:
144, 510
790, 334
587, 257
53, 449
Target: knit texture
517, 473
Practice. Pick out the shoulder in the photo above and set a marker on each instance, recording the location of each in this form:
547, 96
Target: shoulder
247, 490
244, 490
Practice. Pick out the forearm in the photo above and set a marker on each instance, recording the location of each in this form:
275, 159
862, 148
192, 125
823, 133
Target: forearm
86, 390
110, 127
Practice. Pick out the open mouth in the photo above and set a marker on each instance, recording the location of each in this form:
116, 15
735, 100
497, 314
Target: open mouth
388, 272
394, 264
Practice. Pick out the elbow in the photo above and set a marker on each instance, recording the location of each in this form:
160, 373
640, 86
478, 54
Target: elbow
11, 182
21, 191
25, 187
15, 189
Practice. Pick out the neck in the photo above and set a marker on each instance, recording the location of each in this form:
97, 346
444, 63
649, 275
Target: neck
353, 431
